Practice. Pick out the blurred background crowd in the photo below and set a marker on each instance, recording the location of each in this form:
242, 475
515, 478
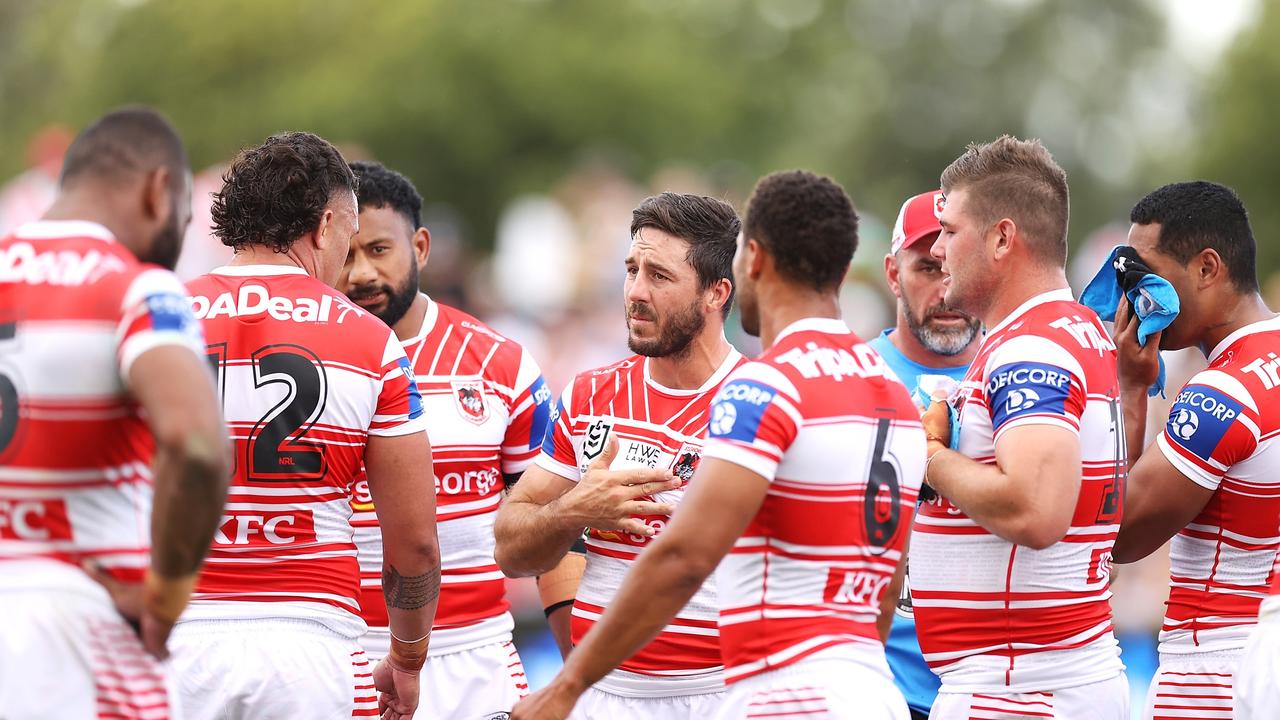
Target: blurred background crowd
533, 127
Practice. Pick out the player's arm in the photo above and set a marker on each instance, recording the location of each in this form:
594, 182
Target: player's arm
1158, 502
172, 385
1027, 497
889, 600
546, 513
1138, 367
558, 588
713, 514
400, 480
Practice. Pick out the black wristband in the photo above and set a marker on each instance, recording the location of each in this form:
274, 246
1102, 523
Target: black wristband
555, 606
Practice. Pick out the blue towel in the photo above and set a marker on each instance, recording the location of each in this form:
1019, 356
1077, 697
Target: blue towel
1151, 297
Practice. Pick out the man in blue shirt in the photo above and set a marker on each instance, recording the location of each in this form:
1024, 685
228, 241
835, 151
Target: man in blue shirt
929, 338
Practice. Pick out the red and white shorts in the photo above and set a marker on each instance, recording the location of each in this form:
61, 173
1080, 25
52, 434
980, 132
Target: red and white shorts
70, 655
269, 669
474, 682
1257, 682
1193, 687
1105, 700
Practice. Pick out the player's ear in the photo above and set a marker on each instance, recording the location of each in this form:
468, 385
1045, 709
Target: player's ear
323, 232
1207, 267
891, 274
1002, 241
718, 294
754, 257
422, 247
155, 193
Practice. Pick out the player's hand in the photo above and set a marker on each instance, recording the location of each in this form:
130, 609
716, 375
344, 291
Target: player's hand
151, 607
607, 499
553, 702
937, 425
397, 691
1138, 366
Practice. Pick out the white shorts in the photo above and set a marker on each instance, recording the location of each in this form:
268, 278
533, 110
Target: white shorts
70, 655
1104, 700
816, 689
477, 682
1194, 687
1257, 691
269, 669
600, 705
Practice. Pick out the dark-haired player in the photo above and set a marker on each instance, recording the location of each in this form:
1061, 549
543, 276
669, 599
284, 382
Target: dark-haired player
1213, 482
314, 388
112, 456
803, 499
1030, 497
487, 408
623, 438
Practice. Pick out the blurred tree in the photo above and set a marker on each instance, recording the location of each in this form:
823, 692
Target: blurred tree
481, 101
1239, 146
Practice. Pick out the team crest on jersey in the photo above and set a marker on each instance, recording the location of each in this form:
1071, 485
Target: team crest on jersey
596, 437
686, 461
469, 397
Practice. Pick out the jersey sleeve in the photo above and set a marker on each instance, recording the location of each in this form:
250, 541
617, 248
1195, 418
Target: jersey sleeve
155, 311
530, 416
754, 419
1212, 425
558, 453
399, 406
1032, 380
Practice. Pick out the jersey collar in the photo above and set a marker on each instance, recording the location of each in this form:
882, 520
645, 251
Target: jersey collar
257, 270
51, 229
830, 326
1045, 297
428, 321
1251, 328
726, 367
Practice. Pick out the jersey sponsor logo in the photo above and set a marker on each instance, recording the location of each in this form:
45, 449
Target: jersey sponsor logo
723, 417
361, 498
415, 395
849, 587
276, 527
171, 312
468, 482
255, 299
468, 396
738, 408
1200, 418
1100, 566
813, 361
1026, 388
686, 462
1087, 334
643, 454
42, 520
543, 413
597, 435
20, 263
1265, 369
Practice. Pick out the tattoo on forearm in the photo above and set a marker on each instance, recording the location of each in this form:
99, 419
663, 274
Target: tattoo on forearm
410, 593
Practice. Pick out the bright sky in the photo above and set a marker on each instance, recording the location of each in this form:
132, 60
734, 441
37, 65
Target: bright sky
1205, 28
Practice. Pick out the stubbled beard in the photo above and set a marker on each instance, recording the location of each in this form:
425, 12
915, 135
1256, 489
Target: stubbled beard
946, 341
675, 334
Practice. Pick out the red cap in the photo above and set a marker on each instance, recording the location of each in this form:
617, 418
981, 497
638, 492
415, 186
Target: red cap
918, 218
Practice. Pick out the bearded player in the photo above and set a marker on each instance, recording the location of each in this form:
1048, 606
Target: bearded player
626, 440
487, 409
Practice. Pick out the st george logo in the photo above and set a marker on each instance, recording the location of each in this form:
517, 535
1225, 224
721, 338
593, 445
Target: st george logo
1184, 424
595, 439
468, 395
686, 462
1023, 399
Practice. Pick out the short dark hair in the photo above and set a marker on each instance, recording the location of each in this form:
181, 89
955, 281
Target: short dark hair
277, 192
710, 226
807, 223
1020, 180
127, 140
382, 187
1200, 214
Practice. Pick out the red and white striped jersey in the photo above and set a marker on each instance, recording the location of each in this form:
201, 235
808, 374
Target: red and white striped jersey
1008, 618
1223, 433
823, 418
656, 427
487, 409
306, 376
76, 310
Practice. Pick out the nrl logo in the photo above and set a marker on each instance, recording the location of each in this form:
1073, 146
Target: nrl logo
469, 397
594, 441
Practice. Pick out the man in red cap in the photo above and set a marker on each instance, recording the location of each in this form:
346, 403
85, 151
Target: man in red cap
929, 338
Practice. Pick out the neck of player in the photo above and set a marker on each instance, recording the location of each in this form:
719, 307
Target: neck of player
410, 323
784, 304
691, 370
1235, 311
1021, 287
